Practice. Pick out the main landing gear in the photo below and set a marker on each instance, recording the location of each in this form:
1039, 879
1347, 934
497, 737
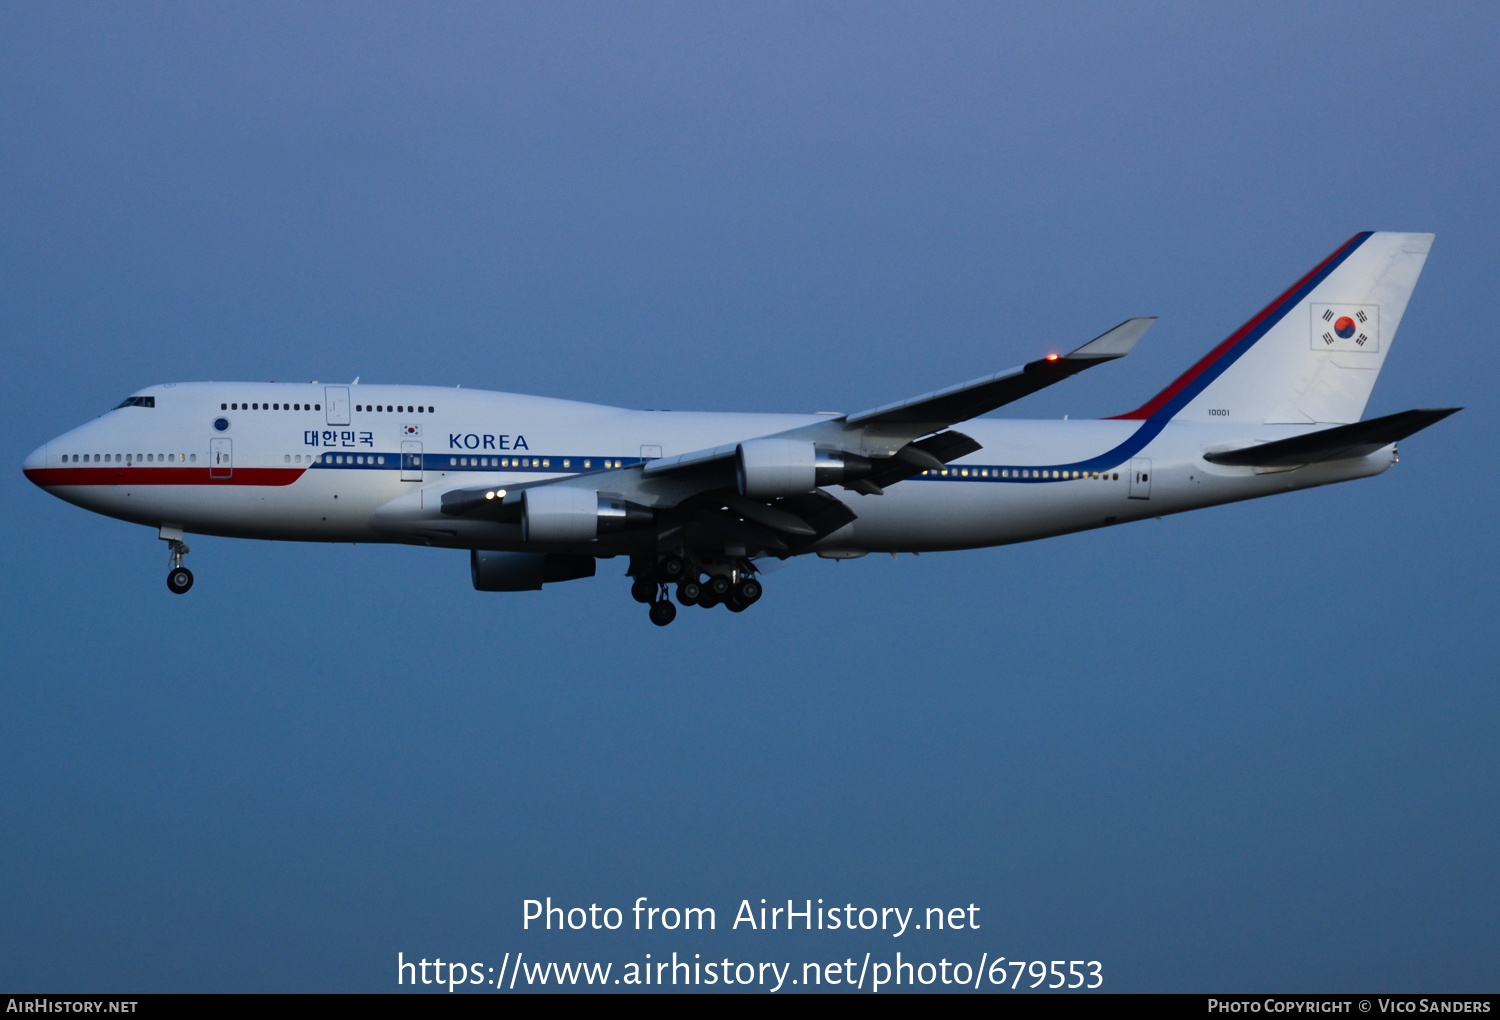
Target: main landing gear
179, 578
731, 585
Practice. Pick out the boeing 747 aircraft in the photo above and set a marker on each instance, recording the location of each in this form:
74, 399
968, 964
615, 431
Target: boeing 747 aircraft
539, 490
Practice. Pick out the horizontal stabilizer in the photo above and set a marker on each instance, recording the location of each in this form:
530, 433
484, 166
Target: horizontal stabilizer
1346, 441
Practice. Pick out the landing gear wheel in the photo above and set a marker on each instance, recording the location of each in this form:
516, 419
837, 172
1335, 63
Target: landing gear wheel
719, 587
179, 580
643, 590
688, 592
663, 613
735, 604
748, 591
671, 568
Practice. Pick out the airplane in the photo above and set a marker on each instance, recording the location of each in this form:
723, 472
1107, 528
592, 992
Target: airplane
540, 489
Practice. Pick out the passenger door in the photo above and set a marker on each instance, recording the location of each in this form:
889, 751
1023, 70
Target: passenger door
336, 400
220, 458
1140, 478
411, 462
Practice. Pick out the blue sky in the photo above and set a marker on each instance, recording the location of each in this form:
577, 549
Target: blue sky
1247, 748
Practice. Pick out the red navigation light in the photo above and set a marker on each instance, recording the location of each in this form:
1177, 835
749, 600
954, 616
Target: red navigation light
1052, 357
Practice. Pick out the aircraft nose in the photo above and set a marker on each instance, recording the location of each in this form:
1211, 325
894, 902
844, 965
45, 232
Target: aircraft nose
35, 462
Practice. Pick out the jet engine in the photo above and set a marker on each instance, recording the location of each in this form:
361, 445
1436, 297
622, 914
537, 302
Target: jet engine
558, 513
522, 571
768, 468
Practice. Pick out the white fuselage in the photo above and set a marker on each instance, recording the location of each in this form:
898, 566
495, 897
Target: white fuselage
315, 463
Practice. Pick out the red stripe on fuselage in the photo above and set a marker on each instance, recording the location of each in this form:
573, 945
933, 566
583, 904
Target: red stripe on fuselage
129, 475
1156, 403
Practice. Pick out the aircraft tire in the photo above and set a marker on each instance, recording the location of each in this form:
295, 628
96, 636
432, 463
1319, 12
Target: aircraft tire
689, 592
748, 591
735, 604
179, 580
643, 590
671, 568
663, 613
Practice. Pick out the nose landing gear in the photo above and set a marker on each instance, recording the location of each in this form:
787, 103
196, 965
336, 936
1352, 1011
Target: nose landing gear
179, 578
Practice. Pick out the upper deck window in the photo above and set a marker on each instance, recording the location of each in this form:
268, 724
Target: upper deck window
136, 402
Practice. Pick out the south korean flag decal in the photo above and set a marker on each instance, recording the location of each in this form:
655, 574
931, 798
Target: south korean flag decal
1346, 328
411, 431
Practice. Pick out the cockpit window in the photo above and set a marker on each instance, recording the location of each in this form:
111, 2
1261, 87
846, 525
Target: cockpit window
136, 402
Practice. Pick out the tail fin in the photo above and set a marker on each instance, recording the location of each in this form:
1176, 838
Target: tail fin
1311, 355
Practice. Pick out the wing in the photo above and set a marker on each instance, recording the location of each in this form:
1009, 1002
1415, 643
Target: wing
694, 500
882, 431
933, 411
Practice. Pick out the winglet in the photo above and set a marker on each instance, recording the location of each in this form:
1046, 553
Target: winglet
1117, 343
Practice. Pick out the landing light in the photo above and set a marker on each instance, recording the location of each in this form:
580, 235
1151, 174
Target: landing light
489, 495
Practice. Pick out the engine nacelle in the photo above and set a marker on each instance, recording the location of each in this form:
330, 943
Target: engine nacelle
523, 571
768, 468
556, 513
